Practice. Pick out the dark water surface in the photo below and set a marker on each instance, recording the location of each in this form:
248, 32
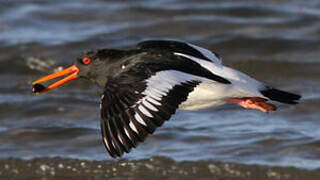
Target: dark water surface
277, 42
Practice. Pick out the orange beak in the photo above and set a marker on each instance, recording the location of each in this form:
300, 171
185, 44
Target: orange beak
38, 88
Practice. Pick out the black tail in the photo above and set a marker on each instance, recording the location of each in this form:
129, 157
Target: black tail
281, 96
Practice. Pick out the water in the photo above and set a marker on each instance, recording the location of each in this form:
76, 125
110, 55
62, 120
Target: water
277, 42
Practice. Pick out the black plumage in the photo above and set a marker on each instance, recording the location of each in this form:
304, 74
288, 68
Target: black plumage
119, 105
145, 85
281, 96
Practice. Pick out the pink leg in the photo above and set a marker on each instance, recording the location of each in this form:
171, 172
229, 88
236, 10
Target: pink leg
254, 103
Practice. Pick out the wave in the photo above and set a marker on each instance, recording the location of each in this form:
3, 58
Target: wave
153, 168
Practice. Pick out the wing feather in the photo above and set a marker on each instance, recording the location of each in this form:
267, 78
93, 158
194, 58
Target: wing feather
130, 113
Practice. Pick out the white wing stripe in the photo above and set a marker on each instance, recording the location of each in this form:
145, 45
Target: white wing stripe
162, 82
127, 133
106, 143
153, 101
153, 94
240, 81
161, 90
120, 139
158, 86
206, 53
149, 106
144, 111
113, 144
139, 119
133, 127
162, 86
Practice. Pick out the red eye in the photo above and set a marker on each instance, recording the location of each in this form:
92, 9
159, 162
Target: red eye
86, 60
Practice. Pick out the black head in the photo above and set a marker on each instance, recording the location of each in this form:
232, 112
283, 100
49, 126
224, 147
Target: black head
93, 65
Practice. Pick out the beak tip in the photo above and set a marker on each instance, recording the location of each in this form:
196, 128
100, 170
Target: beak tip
37, 88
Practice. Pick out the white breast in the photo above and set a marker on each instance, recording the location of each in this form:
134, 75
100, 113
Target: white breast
207, 95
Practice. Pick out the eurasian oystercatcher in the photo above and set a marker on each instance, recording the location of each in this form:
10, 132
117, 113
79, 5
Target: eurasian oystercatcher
144, 86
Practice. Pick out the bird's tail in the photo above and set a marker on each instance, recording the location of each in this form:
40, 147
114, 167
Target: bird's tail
281, 96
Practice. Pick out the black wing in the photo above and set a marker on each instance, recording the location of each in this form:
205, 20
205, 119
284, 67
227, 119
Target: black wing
181, 47
131, 111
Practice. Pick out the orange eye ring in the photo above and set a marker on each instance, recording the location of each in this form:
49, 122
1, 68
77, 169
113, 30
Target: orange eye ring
86, 60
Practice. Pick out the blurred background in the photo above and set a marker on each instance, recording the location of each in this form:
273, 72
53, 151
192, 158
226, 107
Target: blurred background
275, 41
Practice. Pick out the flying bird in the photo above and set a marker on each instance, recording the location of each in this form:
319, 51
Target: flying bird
145, 85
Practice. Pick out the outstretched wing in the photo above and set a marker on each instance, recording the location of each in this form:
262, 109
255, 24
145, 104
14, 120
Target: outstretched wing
182, 47
131, 111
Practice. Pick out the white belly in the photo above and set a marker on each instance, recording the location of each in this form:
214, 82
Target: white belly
210, 94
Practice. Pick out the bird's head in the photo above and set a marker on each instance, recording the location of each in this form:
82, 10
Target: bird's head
92, 65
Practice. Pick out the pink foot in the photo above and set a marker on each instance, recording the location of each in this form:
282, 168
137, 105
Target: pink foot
254, 103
